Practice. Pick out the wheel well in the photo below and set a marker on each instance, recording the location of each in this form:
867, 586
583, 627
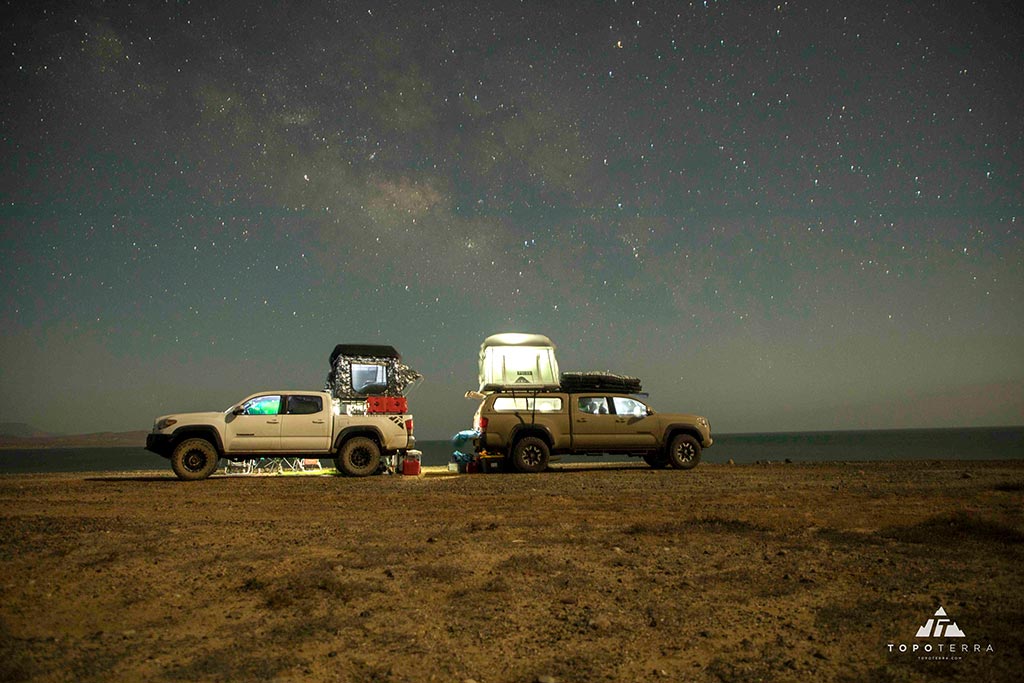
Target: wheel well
207, 433
353, 433
676, 431
521, 434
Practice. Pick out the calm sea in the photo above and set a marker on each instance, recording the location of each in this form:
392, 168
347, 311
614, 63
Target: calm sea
984, 443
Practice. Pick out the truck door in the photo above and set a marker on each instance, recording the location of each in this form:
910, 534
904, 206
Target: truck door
258, 428
593, 425
634, 427
306, 424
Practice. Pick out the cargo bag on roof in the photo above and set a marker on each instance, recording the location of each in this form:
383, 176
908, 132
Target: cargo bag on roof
600, 381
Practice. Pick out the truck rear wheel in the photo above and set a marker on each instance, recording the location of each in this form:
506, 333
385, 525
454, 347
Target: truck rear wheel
684, 452
359, 457
194, 459
530, 454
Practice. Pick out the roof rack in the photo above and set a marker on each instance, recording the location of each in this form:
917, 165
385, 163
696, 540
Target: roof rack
513, 389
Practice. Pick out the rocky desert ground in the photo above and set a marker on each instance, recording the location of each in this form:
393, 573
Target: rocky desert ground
725, 573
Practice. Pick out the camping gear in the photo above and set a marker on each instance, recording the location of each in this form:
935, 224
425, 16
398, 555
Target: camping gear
490, 464
517, 361
463, 446
411, 463
573, 382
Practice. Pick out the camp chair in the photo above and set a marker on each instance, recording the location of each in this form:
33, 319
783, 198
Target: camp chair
239, 466
268, 466
291, 464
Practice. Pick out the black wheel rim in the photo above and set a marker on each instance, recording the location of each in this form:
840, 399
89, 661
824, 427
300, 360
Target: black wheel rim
194, 460
685, 452
361, 457
533, 455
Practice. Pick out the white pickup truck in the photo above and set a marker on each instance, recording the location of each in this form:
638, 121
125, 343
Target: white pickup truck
280, 424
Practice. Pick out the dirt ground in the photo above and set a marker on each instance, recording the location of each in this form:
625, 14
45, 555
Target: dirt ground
724, 573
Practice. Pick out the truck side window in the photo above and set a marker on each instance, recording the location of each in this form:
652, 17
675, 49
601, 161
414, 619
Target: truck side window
627, 406
304, 405
262, 405
595, 405
541, 405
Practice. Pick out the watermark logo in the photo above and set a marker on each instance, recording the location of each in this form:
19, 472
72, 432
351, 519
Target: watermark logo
940, 626
943, 640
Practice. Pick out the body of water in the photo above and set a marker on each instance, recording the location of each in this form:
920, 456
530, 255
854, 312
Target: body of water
983, 443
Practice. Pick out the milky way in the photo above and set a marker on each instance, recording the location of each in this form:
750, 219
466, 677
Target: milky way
793, 216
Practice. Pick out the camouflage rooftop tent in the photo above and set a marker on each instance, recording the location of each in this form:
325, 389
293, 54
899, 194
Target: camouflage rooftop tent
361, 370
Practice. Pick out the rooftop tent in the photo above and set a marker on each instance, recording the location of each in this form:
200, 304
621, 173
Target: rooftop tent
362, 370
364, 351
514, 360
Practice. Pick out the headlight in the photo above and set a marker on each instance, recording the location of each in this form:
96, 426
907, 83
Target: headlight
703, 422
165, 423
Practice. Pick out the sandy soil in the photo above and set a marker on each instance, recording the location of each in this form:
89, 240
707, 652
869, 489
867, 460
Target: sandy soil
751, 572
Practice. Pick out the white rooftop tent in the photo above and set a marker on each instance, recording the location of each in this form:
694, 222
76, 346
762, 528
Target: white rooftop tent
517, 361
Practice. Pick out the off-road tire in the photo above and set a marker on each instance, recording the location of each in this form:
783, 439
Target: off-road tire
359, 457
530, 454
684, 452
658, 460
194, 459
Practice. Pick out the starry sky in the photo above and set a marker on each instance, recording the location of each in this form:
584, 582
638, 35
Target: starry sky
784, 216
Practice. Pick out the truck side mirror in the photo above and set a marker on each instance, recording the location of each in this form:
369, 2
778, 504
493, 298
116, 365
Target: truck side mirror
238, 410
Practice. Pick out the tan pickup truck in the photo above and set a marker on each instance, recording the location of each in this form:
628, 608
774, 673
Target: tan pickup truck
524, 428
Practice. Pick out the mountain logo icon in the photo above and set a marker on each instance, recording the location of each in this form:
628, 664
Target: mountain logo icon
940, 626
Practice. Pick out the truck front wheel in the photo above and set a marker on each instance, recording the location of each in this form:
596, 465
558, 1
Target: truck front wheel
684, 452
194, 459
530, 454
359, 457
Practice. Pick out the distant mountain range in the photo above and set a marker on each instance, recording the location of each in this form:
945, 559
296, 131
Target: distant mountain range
21, 435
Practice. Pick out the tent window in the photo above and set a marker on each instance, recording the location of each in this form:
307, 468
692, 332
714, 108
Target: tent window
369, 378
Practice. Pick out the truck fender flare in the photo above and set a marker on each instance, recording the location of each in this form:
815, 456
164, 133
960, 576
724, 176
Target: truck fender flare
672, 430
361, 430
530, 430
207, 432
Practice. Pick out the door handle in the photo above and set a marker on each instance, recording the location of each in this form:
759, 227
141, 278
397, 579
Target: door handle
272, 422
318, 422
581, 419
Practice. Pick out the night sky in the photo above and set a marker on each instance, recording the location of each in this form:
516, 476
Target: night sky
792, 216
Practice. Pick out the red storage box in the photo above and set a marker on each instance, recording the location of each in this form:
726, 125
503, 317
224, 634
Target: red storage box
411, 465
376, 404
397, 404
